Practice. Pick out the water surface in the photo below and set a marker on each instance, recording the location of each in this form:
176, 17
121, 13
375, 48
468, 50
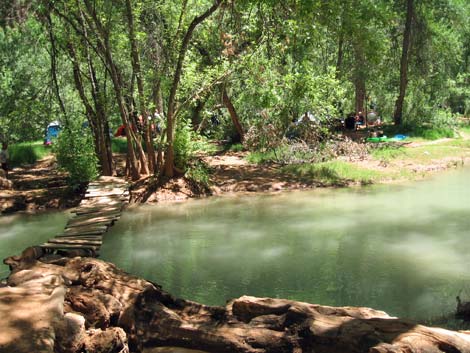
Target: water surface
19, 231
402, 249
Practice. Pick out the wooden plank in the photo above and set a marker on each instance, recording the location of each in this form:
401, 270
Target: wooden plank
85, 231
106, 198
115, 214
99, 210
67, 246
102, 193
92, 218
84, 237
82, 222
80, 242
88, 224
101, 203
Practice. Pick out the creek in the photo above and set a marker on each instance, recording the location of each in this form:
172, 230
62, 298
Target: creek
403, 249
19, 231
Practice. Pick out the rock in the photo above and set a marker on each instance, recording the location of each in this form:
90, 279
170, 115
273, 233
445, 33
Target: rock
70, 334
112, 340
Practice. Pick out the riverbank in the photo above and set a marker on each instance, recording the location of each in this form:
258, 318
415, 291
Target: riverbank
41, 186
232, 173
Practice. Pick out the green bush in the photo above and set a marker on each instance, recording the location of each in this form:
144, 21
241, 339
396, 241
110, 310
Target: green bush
198, 172
183, 145
27, 153
75, 153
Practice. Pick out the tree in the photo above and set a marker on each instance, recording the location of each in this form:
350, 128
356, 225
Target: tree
397, 117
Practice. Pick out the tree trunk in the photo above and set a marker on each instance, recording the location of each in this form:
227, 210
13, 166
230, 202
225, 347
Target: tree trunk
233, 113
81, 301
169, 156
398, 115
105, 48
54, 67
96, 117
196, 115
360, 85
101, 133
340, 55
140, 89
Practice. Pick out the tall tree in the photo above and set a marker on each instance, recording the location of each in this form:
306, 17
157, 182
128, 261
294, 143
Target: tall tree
170, 118
398, 115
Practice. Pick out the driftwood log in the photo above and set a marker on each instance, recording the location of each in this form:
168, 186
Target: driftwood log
87, 305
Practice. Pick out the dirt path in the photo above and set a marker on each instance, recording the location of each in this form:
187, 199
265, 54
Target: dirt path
37, 187
233, 174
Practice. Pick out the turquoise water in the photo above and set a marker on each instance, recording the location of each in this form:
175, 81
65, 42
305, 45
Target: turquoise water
402, 249
19, 231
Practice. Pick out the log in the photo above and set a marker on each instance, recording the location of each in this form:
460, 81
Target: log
124, 313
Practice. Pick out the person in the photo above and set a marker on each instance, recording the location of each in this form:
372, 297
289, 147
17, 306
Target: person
4, 158
360, 120
373, 118
350, 122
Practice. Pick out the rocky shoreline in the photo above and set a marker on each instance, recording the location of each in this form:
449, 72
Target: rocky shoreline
59, 304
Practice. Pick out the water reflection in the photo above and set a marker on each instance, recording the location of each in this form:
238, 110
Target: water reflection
402, 249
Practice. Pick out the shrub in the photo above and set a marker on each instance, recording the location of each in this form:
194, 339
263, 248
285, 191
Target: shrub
75, 153
298, 151
262, 137
183, 146
198, 173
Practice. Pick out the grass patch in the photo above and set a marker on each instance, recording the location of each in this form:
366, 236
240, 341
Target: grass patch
434, 133
27, 152
334, 173
119, 145
236, 147
417, 133
387, 153
258, 157
203, 145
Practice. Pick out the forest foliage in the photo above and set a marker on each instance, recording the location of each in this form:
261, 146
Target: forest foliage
225, 69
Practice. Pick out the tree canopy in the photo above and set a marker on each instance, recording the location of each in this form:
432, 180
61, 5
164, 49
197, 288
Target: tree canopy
173, 64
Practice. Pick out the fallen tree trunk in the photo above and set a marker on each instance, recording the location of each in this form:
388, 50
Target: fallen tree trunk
87, 305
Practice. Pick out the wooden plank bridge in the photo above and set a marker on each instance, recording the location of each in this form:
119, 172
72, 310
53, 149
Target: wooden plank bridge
100, 208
